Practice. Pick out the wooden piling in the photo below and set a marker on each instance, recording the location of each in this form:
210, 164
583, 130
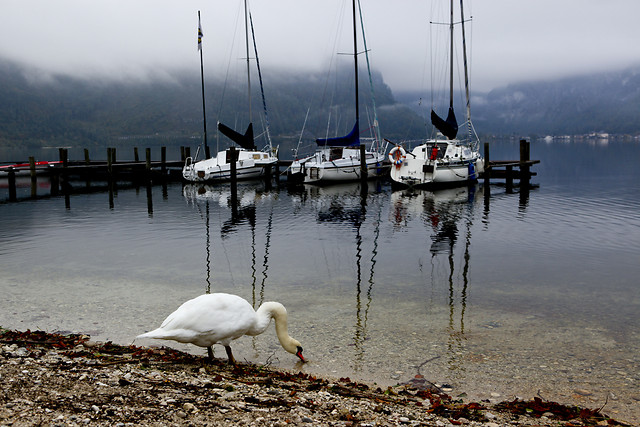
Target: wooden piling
86, 157
64, 159
136, 157
163, 161
148, 160
509, 178
12, 185
487, 166
525, 148
109, 162
34, 179
234, 174
363, 163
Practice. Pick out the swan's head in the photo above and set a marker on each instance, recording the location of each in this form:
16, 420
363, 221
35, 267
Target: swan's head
294, 347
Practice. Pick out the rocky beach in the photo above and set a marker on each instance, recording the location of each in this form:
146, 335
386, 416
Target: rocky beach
52, 379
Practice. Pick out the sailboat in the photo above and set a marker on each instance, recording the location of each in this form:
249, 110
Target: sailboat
444, 160
250, 163
339, 159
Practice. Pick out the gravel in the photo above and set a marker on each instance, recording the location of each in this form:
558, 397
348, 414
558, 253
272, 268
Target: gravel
48, 379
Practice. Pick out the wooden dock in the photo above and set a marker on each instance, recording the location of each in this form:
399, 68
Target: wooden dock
509, 169
103, 175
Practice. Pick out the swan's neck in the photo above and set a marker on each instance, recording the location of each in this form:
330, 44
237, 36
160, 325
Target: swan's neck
275, 310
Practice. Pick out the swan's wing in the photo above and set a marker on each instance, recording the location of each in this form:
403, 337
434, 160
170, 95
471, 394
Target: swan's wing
210, 318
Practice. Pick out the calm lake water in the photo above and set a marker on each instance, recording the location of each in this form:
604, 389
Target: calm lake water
506, 293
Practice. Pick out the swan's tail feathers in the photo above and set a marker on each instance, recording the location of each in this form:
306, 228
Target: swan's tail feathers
156, 333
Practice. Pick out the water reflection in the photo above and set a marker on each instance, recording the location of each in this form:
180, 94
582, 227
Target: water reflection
448, 215
242, 211
349, 204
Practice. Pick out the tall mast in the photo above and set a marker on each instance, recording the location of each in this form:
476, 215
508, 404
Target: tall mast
451, 56
204, 114
464, 56
246, 38
355, 59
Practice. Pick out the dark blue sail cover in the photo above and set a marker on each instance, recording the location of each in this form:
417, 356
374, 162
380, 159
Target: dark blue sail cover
449, 127
353, 138
245, 141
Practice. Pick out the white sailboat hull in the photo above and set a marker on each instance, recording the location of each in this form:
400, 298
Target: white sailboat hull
317, 169
453, 165
250, 165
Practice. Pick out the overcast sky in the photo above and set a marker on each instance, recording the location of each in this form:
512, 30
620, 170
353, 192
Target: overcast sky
512, 40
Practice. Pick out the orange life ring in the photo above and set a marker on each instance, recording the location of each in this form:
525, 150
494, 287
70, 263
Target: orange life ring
397, 155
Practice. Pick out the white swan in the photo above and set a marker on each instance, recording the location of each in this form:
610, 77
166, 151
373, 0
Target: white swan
221, 318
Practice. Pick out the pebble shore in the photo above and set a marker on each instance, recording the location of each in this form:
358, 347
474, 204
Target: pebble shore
53, 380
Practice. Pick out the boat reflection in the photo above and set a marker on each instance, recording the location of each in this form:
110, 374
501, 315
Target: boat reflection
242, 211
360, 206
448, 214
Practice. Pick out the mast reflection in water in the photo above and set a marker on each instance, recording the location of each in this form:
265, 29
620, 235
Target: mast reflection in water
442, 212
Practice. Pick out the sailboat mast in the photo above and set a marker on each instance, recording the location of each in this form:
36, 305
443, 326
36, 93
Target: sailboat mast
464, 57
246, 38
204, 114
451, 55
355, 59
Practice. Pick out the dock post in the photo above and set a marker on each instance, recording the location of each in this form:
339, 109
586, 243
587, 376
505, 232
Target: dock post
34, 179
136, 157
363, 164
148, 162
109, 162
182, 157
64, 158
87, 162
487, 163
12, 185
524, 165
187, 152
163, 161
509, 178
232, 158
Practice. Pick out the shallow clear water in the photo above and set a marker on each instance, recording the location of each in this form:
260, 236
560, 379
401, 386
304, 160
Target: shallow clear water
514, 294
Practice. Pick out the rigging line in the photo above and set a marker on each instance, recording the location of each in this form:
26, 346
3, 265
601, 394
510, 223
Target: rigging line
464, 56
332, 62
264, 102
304, 124
246, 41
204, 113
373, 96
226, 79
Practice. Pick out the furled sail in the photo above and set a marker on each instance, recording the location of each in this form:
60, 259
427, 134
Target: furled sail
351, 139
449, 127
245, 141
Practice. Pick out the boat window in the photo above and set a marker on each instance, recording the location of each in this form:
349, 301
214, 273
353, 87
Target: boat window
336, 153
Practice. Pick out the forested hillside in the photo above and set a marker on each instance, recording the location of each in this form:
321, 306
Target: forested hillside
38, 109
60, 110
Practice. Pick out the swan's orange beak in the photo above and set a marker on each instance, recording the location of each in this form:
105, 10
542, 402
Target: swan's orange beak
299, 354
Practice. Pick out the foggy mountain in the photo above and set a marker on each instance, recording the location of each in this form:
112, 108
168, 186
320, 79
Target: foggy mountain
603, 102
38, 109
